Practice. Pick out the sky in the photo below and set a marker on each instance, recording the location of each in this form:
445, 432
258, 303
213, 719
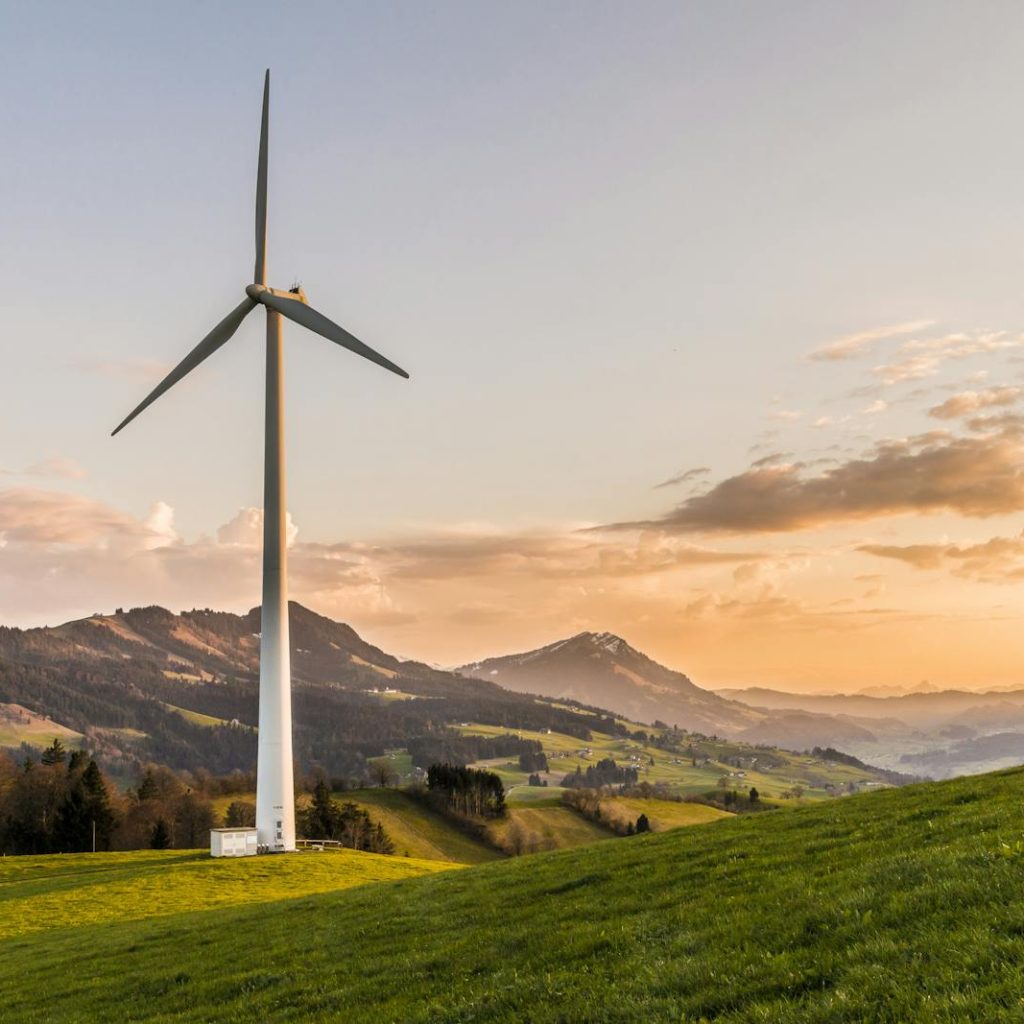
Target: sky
712, 314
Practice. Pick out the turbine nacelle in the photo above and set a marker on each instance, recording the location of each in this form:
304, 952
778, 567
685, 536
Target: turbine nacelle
296, 294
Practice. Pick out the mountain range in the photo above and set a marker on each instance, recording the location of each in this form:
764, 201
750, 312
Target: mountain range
149, 685
182, 690
919, 729
603, 669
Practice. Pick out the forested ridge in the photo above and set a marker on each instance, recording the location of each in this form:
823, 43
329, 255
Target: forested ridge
119, 679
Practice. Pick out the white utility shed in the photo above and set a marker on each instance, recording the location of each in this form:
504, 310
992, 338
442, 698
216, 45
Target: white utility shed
233, 842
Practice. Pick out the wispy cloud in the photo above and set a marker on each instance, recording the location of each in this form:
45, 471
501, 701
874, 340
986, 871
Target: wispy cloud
968, 402
918, 359
56, 466
854, 345
999, 560
688, 476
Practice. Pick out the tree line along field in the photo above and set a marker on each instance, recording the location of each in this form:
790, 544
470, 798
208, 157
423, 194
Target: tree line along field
898, 905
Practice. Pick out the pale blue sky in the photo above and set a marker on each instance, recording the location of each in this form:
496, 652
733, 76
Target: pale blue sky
602, 238
599, 235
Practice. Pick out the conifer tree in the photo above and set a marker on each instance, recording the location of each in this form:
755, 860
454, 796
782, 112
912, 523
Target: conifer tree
147, 787
101, 816
321, 820
160, 838
54, 753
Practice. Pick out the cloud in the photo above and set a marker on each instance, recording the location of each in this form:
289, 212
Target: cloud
1009, 424
685, 477
55, 466
39, 517
573, 555
999, 560
917, 359
968, 402
854, 345
159, 524
66, 555
772, 459
933, 472
246, 529
877, 406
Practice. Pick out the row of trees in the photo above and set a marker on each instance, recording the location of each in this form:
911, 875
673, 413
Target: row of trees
347, 823
732, 800
63, 803
450, 747
466, 792
605, 773
533, 761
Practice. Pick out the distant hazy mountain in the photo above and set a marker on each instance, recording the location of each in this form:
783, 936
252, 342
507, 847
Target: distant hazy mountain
604, 670
897, 691
927, 710
943, 732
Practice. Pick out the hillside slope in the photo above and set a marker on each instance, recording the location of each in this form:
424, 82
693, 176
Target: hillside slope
182, 690
901, 905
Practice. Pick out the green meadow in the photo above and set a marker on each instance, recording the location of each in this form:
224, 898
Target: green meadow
44, 894
901, 905
566, 753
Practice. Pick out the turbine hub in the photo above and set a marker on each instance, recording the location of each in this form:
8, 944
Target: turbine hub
257, 291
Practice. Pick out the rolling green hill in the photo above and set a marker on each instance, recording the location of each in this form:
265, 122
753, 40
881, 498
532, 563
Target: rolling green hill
417, 829
899, 905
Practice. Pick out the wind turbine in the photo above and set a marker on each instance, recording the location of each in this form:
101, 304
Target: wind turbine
275, 797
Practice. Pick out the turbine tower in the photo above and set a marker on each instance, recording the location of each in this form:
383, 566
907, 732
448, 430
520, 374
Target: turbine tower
275, 796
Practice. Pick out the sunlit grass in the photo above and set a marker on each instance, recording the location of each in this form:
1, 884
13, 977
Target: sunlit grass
71, 890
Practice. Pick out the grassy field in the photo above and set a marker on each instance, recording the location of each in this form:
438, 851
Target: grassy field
558, 828
566, 752
896, 906
19, 725
417, 829
662, 814
74, 890
386, 672
196, 717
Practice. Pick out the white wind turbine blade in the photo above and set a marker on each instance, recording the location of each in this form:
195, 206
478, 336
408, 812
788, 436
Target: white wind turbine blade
260, 273
304, 315
213, 341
